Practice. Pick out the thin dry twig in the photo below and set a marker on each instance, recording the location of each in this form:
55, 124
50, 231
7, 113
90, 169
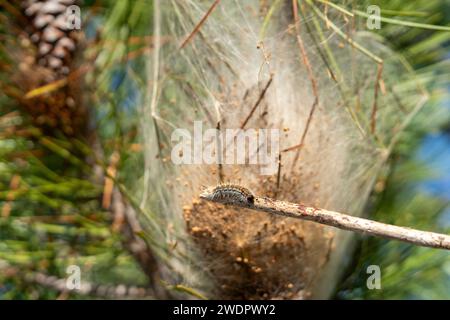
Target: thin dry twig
219, 164
199, 24
313, 80
373, 116
260, 98
241, 197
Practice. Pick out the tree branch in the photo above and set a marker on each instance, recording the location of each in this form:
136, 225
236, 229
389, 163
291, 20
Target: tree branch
137, 246
120, 291
239, 196
128, 225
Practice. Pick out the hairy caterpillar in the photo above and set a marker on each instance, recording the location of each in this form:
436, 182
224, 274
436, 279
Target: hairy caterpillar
228, 194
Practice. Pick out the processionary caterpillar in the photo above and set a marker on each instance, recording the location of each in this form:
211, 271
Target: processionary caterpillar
229, 194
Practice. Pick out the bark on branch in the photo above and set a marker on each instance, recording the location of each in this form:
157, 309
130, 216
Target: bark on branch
238, 196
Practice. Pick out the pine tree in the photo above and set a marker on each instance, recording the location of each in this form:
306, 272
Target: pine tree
98, 189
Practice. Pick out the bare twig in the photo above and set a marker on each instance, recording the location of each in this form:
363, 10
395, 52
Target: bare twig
219, 146
311, 76
373, 116
260, 98
199, 24
330, 218
278, 174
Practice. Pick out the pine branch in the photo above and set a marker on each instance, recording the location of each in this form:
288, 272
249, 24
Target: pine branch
120, 291
137, 246
130, 227
241, 197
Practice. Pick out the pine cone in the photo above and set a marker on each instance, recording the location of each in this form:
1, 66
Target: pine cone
46, 46
52, 32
